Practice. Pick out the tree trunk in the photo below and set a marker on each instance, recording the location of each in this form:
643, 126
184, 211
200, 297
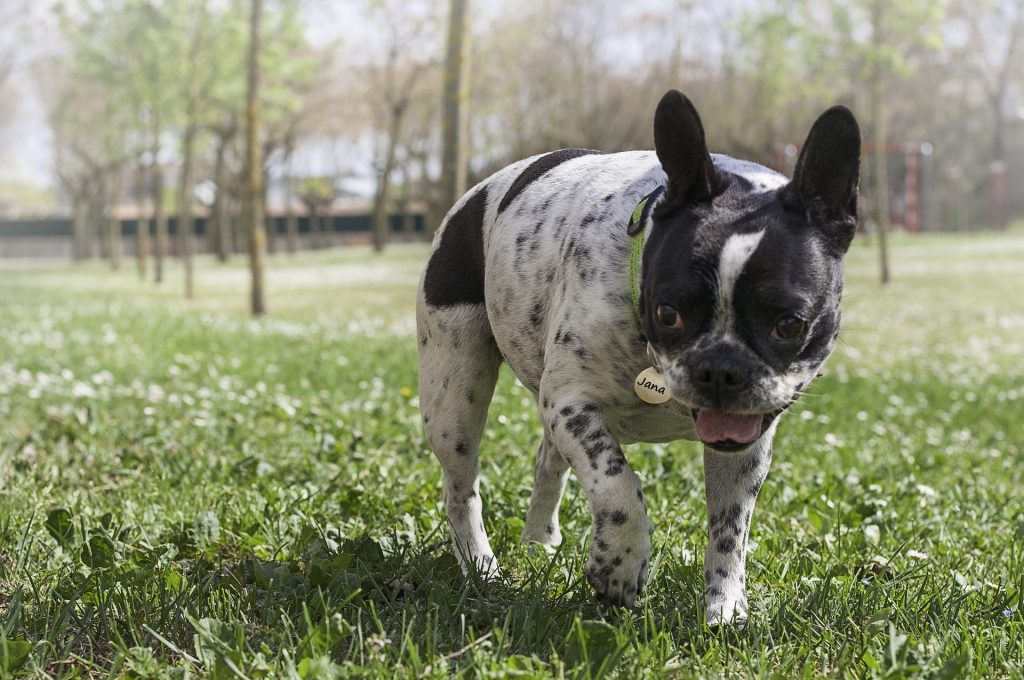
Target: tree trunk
381, 225
268, 220
240, 239
186, 244
96, 233
79, 221
314, 227
218, 218
254, 195
114, 231
881, 156
291, 223
159, 214
100, 223
142, 224
453, 155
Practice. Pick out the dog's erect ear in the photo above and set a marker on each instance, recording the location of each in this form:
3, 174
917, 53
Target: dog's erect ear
828, 172
679, 142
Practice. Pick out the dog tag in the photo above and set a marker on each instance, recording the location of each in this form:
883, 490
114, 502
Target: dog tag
651, 387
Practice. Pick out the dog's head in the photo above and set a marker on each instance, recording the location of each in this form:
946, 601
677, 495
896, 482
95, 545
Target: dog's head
743, 273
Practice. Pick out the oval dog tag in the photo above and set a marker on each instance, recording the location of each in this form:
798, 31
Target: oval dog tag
651, 387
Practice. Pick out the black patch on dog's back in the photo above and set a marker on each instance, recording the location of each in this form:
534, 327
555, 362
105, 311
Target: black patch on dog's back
536, 169
455, 273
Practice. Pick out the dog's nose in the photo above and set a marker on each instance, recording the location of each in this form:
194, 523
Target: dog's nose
721, 377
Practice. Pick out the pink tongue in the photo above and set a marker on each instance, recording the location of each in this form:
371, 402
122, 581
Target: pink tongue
715, 426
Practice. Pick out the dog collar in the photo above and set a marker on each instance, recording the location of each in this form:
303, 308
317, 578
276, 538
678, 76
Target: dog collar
635, 229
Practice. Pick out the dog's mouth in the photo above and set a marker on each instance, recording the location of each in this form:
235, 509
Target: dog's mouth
727, 431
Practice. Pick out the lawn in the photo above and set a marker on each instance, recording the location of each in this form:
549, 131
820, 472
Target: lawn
185, 492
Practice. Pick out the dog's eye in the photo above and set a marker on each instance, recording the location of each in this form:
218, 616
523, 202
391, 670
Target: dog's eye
789, 328
669, 317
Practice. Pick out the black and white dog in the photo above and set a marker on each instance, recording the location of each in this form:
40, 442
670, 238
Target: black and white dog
737, 305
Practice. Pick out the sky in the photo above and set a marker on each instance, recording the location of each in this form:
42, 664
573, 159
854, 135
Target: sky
25, 145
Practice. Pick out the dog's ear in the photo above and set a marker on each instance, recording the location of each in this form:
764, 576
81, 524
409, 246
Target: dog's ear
683, 152
827, 174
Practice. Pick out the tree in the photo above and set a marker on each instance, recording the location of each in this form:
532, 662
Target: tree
878, 121
317, 193
803, 51
395, 88
996, 31
254, 168
456, 69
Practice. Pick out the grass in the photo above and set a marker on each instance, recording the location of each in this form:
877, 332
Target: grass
188, 493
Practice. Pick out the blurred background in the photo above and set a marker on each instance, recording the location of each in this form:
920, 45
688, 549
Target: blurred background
124, 123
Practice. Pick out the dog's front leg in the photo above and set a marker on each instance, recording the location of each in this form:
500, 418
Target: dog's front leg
731, 482
620, 546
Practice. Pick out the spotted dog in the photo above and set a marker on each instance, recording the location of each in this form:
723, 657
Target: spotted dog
737, 291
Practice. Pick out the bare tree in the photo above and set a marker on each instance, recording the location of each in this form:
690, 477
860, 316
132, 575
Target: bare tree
878, 121
254, 168
396, 84
456, 98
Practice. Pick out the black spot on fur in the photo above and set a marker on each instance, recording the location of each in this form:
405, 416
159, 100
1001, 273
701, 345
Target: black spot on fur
537, 313
726, 544
536, 170
578, 425
755, 488
619, 518
455, 273
461, 448
616, 463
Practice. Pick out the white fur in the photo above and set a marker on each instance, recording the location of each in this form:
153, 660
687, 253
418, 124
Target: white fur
735, 253
728, 478
763, 179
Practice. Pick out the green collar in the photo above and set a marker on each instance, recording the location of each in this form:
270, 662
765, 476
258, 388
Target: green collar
635, 229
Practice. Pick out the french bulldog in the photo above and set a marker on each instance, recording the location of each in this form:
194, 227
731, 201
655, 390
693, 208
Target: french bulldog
731, 304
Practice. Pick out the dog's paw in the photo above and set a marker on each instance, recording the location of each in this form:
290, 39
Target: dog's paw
484, 567
728, 612
618, 571
548, 536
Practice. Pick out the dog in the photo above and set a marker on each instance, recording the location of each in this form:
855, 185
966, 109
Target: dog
640, 297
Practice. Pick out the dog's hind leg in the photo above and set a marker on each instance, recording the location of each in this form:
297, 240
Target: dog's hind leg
459, 364
550, 476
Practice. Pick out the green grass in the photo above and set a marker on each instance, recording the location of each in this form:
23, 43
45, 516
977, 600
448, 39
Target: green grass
186, 492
